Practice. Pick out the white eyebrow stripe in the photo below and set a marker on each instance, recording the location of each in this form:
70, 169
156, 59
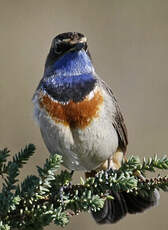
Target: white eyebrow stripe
82, 40
66, 40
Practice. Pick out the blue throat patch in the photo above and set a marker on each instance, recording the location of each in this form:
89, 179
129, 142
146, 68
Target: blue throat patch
70, 78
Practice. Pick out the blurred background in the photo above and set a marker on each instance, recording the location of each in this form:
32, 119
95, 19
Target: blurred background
128, 41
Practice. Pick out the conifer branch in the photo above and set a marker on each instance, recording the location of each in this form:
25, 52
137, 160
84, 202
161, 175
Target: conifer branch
50, 197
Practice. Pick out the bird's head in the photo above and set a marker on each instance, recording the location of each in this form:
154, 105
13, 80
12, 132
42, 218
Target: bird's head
69, 73
67, 44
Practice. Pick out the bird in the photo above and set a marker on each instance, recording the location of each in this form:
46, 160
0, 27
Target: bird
80, 119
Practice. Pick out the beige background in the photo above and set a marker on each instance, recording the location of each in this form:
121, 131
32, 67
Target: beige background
129, 44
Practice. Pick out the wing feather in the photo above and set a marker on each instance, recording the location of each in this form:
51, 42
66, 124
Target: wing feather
118, 120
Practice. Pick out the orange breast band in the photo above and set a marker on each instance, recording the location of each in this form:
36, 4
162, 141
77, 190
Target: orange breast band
75, 115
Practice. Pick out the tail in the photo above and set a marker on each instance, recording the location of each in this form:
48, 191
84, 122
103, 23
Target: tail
124, 203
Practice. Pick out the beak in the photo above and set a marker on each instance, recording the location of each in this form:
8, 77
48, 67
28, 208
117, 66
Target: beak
77, 44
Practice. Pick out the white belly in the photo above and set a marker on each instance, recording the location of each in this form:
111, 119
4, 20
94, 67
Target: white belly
81, 149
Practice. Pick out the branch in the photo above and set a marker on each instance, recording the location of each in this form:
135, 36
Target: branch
50, 197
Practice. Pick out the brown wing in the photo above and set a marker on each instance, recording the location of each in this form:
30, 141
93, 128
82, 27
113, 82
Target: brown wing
118, 120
